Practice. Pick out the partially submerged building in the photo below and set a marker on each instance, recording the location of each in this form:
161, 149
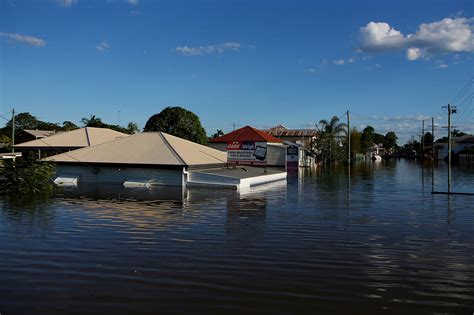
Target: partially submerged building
68, 141
302, 137
154, 158
250, 146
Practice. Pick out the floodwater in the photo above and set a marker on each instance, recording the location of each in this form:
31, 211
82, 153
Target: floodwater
376, 243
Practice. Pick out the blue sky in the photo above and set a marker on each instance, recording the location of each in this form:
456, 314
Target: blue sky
259, 63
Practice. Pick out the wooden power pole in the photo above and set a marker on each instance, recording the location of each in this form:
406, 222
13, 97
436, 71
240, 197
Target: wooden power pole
13, 130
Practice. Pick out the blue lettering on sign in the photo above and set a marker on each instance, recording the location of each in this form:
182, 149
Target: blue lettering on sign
247, 145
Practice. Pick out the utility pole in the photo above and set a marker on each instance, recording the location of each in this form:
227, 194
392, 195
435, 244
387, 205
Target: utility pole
451, 110
423, 139
348, 138
233, 125
13, 130
432, 133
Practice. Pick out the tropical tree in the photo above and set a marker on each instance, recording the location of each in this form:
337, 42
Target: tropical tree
179, 122
367, 138
218, 133
390, 142
69, 125
92, 121
329, 143
427, 139
132, 128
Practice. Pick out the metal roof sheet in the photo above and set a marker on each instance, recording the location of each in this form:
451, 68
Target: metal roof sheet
39, 133
148, 148
78, 138
246, 133
282, 131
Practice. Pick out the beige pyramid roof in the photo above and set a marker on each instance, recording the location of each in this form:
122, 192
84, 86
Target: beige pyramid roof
78, 138
148, 148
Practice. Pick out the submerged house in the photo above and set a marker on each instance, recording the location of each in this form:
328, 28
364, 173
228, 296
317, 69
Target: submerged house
250, 146
149, 157
154, 159
68, 141
302, 137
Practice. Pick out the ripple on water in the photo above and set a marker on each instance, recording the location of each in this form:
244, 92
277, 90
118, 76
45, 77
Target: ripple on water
306, 246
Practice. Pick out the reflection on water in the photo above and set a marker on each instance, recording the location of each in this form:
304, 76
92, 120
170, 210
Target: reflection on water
308, 245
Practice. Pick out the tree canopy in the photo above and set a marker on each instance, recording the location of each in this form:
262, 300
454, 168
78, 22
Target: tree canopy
94, 121
178, 122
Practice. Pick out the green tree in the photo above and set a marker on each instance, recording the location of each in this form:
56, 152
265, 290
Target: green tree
92, 121
378, 138
132, 128
96, 122
26, 177
329, 143
427, 139
69, 125
218, 133
179, 122
23, 121
367, 138
390, 142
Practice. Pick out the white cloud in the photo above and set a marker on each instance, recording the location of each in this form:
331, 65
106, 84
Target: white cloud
446, 36
339, 62
102, 46
413, 53
379, 37
30, 40
208, 50
66, 3
133, 2
311, 70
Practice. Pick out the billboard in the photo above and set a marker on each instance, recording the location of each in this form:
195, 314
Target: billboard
247, 153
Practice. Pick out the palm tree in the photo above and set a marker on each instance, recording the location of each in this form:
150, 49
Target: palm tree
329, 138
93, 121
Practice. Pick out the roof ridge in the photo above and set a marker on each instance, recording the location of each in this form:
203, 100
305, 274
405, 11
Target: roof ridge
87, 136
171, 148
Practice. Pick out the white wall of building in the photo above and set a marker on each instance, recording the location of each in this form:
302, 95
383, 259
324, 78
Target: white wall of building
118, 175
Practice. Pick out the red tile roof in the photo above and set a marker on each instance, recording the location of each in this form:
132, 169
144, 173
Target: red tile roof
247, 133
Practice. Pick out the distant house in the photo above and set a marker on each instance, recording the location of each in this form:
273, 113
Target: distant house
302, 137
149, 157
25, 135
457, 144
250, 146
68, 141
155, 159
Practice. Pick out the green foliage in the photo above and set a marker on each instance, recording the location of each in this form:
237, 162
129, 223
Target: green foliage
367, 138
329, 144
179, 122
69, 125
23, 121
390, 142
218, 133
26, 177
427, 139
96, 122
132, 128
